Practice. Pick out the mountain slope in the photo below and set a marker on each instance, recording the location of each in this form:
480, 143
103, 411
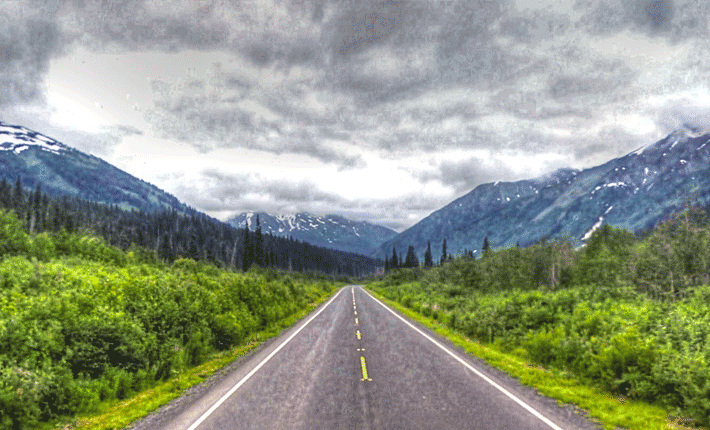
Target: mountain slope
330, 231
634, 191
63, 170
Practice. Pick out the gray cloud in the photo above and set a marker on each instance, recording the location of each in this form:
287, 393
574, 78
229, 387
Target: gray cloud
657, 14
27, 43
130, 23
206, 124
364, 24
396, 77
676, 19
467, 174
252, 192
684, 113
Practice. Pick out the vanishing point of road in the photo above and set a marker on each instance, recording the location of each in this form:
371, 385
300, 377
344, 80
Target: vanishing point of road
355, 364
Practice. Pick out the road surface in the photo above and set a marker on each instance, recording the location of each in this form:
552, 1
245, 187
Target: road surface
355, 364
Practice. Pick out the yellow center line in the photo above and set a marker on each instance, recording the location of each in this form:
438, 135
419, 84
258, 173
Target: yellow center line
355, 320
364, 369
358, 335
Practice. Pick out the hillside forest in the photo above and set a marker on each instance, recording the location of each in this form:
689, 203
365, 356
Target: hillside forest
169, 235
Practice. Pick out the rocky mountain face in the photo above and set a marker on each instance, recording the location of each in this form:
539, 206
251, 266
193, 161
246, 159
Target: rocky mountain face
63, 170
330, 231
635, 192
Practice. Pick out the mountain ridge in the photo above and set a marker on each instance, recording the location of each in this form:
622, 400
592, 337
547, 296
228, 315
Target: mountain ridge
634, 191
331, 231
63, 170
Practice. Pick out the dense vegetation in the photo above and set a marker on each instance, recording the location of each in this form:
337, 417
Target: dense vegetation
82, 321
170, 235
629, 314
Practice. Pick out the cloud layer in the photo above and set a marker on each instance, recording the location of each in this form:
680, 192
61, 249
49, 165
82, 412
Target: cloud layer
452, 94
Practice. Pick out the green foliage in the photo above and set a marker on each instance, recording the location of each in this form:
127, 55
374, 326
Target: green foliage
630, 314
13, 239
83, 322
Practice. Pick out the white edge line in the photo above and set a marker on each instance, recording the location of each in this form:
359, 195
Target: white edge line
471, 368
258, 366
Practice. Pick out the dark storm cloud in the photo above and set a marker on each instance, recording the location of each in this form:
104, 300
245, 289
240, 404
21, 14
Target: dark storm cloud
27, 44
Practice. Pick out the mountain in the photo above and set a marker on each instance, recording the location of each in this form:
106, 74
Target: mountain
63, 170
330, 231
635, 192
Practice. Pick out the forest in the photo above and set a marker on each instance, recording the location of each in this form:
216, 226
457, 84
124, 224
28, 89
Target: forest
628, 313
169, 235
82, 321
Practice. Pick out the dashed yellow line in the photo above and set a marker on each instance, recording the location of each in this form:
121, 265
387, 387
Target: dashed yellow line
358, 335
364, 369
356, 321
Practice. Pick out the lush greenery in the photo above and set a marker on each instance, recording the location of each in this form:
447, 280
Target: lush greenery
82, 321
630, 315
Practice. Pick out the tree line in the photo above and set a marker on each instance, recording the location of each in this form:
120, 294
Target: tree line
169, 235
412, 260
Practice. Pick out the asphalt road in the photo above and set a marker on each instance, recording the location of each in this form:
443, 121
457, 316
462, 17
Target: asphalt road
355, 364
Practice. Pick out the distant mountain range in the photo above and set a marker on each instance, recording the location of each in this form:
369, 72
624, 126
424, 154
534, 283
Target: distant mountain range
63, 170
330, 231
635, 192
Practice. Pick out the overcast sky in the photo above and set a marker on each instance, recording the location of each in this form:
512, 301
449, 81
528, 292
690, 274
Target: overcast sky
381, 111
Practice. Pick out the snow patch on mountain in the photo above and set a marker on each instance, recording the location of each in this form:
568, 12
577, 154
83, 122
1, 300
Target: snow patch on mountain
18, 139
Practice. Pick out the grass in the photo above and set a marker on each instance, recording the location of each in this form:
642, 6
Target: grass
119, 414
608, 410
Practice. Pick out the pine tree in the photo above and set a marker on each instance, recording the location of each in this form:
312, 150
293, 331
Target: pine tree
18, 196
443, 252
5, 194
395, 263
258, 244
411, 260
428, 260
486, 246
248, 258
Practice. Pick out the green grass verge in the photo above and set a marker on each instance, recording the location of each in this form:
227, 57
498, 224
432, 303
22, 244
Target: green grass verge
610, 411
119, 414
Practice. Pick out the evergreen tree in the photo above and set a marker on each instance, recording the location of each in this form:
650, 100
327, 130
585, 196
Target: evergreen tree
411, 260
248, 258
192, 250
428, 261
5, 194
18, 196
486, 246
258, 244
395, 262
443, 252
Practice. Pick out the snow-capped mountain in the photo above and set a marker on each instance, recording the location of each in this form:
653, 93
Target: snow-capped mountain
635, 191
63, 170
330, 231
